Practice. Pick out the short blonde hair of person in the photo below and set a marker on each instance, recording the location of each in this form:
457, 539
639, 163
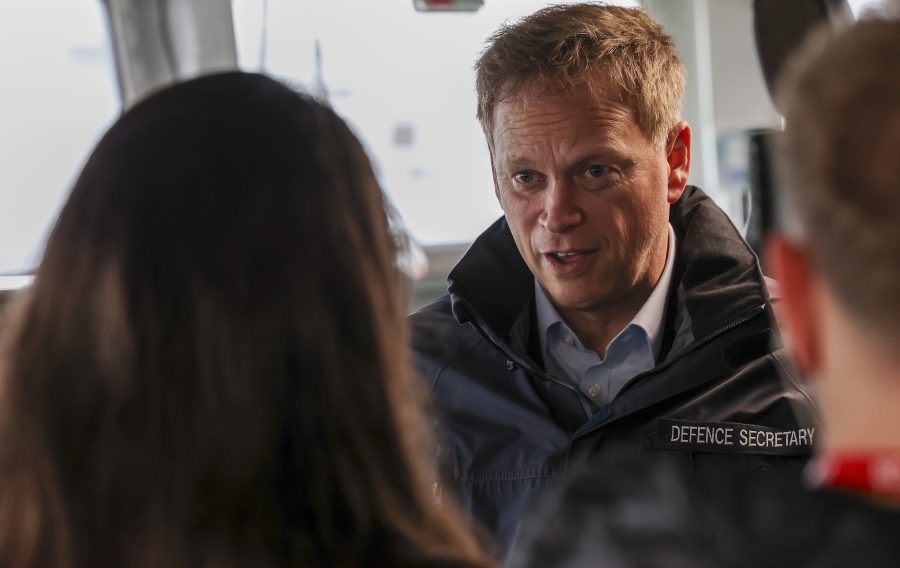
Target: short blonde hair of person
840, 164
611, 50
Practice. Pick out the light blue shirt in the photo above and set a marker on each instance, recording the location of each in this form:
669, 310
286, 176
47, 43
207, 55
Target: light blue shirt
633, 351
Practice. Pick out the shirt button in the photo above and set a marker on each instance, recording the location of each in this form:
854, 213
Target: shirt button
594, 390
569, 340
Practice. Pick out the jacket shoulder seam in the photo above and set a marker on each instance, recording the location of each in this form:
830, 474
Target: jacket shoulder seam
440, 372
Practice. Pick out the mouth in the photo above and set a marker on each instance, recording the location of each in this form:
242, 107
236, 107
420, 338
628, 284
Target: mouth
568, 261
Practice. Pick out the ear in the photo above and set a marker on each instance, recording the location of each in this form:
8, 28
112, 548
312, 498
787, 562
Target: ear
794, 271
678, 158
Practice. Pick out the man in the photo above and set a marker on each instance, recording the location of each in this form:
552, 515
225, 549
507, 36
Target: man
840, 280
613, 305
838, 256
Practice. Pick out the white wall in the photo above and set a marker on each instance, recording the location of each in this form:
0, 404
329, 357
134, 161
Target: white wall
740, 98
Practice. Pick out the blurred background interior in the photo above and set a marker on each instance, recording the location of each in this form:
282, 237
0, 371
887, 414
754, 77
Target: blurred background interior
399, 71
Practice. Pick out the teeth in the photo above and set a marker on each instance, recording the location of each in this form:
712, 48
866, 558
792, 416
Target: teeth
566, 253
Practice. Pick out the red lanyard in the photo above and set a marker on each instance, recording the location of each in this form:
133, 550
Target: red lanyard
867, 472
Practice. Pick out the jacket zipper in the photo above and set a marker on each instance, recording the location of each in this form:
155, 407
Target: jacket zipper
740, 320
485, 330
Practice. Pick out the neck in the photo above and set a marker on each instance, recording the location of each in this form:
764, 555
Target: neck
859, 386
859, 407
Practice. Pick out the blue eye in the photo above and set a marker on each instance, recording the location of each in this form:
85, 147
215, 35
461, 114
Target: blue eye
524, 176
597, 171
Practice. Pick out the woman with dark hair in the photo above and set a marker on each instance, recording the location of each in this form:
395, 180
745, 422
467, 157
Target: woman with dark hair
211, 367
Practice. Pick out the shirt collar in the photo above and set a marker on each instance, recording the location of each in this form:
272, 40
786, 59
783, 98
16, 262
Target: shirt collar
649, 318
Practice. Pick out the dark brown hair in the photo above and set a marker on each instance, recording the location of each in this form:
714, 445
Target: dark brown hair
211, 367
619, 51
842, 108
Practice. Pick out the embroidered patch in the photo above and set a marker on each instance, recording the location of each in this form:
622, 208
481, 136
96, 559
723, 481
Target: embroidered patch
733, 438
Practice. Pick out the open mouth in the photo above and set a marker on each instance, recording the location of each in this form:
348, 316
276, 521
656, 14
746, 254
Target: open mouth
567, 261
567, 257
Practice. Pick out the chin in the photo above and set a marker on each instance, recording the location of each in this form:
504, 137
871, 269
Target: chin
578, 302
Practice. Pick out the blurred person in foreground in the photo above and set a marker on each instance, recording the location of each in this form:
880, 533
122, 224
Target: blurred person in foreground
838, 262
614, 307
211, 367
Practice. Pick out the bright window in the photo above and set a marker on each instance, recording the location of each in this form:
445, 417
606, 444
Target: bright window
860, 7
58, 96
404, 80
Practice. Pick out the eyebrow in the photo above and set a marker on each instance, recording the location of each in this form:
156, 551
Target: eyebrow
603, 156
516, 162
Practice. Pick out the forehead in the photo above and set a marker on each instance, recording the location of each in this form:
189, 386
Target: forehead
533, 117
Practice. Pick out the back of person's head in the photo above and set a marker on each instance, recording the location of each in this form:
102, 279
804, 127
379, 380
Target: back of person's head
657, 510
842, 101
621, 52
211, 367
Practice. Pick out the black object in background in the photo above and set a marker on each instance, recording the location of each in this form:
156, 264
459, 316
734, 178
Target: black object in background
780, 26
761, 178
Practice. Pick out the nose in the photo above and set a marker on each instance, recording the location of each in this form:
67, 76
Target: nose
561, 209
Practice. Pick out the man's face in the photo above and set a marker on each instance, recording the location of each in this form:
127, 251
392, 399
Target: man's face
586, 195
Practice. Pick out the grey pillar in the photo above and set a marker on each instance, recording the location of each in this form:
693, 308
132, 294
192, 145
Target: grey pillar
688, 22
159, 42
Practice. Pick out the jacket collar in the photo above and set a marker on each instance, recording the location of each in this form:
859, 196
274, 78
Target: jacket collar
716, 278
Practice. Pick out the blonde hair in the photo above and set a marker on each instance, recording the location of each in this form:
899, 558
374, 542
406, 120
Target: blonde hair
840, 163
568, 47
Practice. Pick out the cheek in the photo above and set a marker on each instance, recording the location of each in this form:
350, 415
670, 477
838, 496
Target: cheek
509, 200
648, 207
619, 218
520, 212
520, 225
649, 182
630, 225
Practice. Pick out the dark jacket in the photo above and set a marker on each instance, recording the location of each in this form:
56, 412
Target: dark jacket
508, 428
650, 513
